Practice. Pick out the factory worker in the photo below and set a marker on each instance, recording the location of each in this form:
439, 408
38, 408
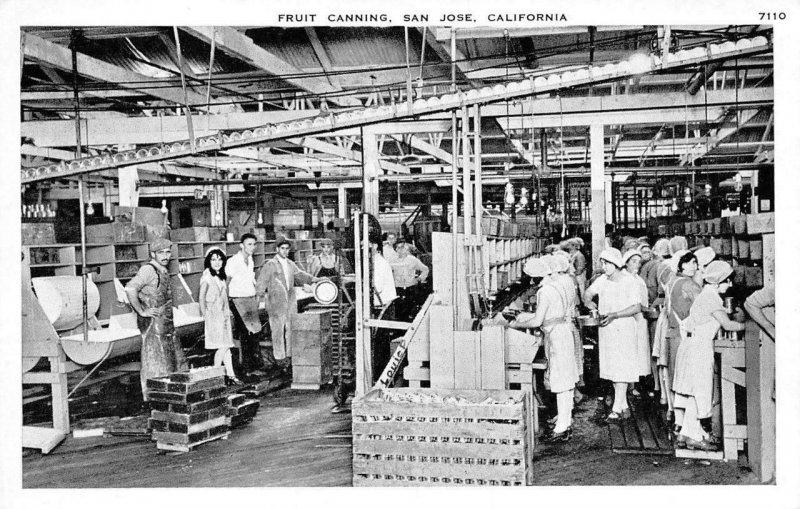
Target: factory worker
554, 315
678, 243
150, 295
617, 304
651, 269
704, 255
632, 261
694, 370
275, 284
240, 273
327, 263
388, 251
410, 275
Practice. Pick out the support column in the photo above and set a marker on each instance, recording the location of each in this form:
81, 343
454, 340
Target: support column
598, 215
371, 166
342, 204
268, 211
128, 194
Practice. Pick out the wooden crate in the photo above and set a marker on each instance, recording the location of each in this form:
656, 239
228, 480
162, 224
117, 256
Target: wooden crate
760, 223
756, 249
738, 224
445, 438
38, 233
313, 319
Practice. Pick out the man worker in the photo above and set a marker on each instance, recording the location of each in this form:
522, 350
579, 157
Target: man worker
410, 274
150, 295
276, 285
240, 271
389, 253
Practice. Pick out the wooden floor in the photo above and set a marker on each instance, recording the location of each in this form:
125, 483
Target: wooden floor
286, 445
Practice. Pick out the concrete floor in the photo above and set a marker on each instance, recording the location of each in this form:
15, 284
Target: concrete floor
296, 441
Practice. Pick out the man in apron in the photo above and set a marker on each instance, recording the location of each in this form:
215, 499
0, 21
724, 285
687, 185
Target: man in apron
150, 295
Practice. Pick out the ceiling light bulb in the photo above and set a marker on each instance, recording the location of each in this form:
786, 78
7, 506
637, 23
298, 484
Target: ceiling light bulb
89, 210
164, 208
260, 218
218, 217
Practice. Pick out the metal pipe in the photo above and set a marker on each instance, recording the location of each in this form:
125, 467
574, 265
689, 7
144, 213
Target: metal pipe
75, 35
519, 173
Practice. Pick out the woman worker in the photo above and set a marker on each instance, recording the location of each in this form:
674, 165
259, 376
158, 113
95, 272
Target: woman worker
632, 260
618, 302
694, 369
554, 303
213, 300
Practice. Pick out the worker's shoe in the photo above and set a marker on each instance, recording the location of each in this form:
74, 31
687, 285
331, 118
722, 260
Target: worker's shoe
680, 441
552, 437
702, 445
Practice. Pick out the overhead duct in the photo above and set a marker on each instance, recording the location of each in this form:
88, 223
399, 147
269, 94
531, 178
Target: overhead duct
699, 78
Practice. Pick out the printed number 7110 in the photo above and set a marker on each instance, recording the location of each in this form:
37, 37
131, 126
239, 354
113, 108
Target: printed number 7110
771, 16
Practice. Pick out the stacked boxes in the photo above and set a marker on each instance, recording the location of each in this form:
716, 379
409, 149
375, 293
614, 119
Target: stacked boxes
241, 410
430, 437
188, 409
311, 349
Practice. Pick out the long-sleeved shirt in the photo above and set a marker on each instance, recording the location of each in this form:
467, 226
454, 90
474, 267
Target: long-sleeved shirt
405, 271
385, 291
241, 276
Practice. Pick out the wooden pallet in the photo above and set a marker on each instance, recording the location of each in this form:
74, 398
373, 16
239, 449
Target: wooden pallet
643, 433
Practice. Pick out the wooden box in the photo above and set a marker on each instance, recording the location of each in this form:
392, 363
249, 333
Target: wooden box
734, 251
430, 437
716, 245
714, 226
312, 320
197, 234
311, 376
116, 232
756, 249
311, 348
738, 224
744, 249
724, 226
688, 228
760, 223
140, 215
753, 277
739, 275
38, 233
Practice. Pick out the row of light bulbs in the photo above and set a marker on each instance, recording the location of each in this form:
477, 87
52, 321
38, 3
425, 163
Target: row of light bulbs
638, 63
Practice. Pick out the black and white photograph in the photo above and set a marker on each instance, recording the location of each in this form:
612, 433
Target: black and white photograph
465, 246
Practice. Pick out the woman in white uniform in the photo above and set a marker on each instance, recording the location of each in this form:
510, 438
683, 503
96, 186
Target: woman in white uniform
554, 316
694, 369
618, 302
632, 260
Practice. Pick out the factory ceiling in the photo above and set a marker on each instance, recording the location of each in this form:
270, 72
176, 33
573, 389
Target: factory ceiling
136, 84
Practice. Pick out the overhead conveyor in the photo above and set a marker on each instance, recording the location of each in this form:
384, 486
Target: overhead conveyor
580, 76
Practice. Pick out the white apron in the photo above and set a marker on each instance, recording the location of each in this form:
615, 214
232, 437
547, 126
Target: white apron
559, 346
694, 365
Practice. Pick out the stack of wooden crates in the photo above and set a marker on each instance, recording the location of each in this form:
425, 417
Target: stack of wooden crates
311, 349
437, 437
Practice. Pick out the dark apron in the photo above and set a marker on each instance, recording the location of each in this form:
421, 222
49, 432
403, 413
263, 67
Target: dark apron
162, 353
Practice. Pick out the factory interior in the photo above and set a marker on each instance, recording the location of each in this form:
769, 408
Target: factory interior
384, 256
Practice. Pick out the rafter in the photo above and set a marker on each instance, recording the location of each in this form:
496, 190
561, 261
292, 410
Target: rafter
238, 45
40, 50
322, 56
